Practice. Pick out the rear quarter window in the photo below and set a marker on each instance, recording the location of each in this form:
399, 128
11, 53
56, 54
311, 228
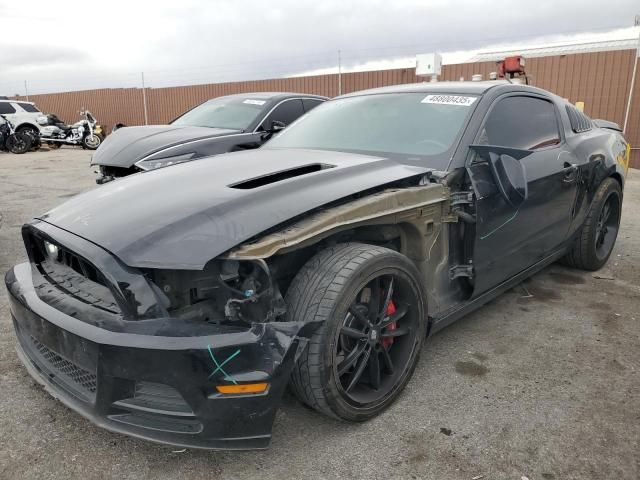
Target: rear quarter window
27, 107
579, 121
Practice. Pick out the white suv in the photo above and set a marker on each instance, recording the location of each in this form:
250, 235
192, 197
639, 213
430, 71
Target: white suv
23, 115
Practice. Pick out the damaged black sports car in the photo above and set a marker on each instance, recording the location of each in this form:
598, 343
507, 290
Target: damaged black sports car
176, 306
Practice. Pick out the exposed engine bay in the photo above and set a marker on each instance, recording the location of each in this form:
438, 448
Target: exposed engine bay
225, 291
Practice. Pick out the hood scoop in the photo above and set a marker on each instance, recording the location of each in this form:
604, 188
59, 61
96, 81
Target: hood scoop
280, 176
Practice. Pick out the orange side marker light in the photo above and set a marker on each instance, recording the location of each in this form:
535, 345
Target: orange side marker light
242, 388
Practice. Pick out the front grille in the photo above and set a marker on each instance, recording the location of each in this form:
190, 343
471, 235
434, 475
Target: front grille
78, 286
83, 378
64, 256
70, 273
81, 266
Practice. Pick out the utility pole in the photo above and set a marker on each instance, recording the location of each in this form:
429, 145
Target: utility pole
339, 73
636, 57
26, 90
144, 101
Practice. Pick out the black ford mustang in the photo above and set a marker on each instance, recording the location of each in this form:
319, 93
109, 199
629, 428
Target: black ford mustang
220, 125
177, 305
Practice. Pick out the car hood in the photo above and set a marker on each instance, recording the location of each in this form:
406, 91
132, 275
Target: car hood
182, 217
126, 146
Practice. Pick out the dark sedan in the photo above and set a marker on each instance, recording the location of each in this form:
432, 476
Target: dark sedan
177, 305
220, 125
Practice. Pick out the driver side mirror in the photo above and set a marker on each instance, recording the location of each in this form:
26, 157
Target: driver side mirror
276, 126
510, 177
507, 171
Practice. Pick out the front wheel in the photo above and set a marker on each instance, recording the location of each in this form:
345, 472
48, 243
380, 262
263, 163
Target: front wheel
19, 143
597, 238
371, 315
91, 142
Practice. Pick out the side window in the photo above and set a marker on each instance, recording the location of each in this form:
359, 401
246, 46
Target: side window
6, 107
286, 112
310, 103
27, 107
521, 122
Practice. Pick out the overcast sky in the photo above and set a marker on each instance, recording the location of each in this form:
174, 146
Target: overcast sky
107, 44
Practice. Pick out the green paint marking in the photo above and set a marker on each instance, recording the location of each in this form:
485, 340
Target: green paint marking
500, 226
220, 365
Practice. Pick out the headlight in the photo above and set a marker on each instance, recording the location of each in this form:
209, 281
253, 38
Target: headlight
52, 250
164, 162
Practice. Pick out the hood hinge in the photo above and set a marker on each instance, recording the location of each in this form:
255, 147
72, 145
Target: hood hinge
461, 271
457, 202
461, 198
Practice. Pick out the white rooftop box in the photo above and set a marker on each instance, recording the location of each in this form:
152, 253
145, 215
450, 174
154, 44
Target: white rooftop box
428, 64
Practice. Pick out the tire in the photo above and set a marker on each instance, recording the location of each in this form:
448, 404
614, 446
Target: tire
593, 246
19, 143
91, 142
33, 134
326, 291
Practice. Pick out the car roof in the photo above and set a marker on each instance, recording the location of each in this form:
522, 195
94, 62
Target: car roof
15, 101
473, 88
274, 95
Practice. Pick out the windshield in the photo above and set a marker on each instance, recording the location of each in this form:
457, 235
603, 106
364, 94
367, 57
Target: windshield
394, 124
235, 113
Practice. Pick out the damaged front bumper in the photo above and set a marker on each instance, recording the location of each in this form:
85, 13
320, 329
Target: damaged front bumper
159, 384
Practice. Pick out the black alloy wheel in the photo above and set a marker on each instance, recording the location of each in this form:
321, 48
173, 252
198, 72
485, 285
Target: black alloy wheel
374, 343
367, 306
19, 143
597, 237
607, 226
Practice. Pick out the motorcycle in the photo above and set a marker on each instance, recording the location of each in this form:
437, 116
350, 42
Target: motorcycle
86, 133
12, 141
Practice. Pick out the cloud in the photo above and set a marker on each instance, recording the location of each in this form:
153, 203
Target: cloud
44, 56
198, 41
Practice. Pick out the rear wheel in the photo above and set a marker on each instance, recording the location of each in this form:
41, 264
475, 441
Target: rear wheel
33, 134
600, 230
372, 323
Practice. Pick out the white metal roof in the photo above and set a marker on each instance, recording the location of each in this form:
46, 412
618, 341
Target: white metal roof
558, 49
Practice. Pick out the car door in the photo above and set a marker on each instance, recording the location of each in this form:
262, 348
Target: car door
508, 238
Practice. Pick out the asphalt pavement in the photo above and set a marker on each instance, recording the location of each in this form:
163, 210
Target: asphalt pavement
542, 383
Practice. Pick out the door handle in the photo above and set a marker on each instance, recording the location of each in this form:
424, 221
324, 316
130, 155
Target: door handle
570, 172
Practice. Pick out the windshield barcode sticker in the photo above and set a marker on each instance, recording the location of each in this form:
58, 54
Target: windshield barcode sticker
255, 102
449, 100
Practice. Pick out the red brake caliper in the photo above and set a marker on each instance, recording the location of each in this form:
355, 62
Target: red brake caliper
391, 309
